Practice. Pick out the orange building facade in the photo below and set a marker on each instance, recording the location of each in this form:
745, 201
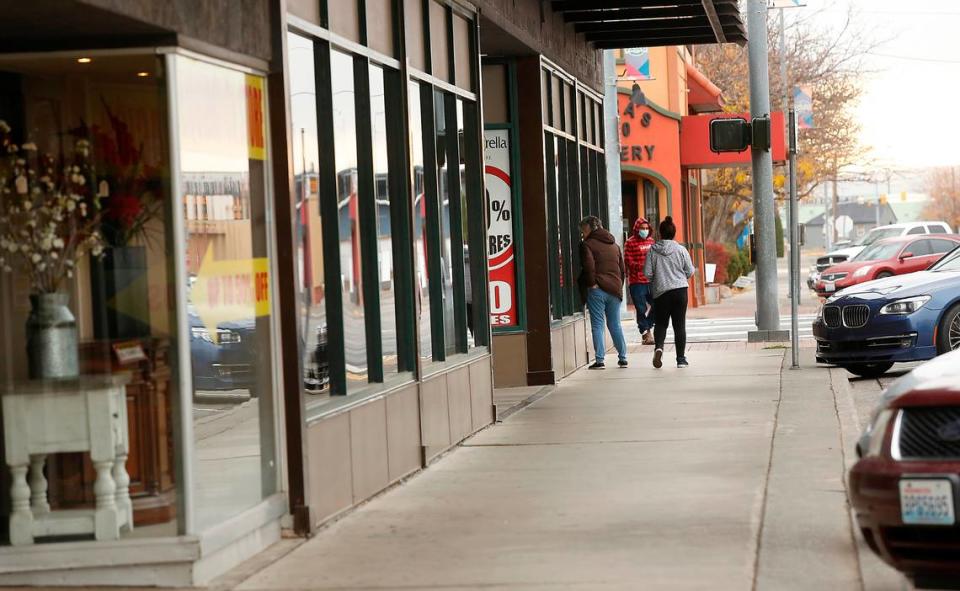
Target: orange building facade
655, 181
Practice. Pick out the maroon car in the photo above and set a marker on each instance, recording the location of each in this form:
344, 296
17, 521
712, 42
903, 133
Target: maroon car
905, 486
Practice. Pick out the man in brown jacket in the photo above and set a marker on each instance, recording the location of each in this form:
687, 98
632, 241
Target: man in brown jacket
601, 286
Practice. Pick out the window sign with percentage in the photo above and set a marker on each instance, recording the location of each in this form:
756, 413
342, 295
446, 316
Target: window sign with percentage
500, 243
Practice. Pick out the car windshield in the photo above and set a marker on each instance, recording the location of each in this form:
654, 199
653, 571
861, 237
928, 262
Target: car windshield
950, 262
878, 252
878, 234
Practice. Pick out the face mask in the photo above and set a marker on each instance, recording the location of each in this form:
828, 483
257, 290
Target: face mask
644, 233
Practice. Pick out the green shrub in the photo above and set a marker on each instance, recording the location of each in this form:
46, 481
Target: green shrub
739, 264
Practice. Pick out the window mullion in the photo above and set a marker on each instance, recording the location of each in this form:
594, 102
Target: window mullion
431, 195
456, 221
329, 213
367, 212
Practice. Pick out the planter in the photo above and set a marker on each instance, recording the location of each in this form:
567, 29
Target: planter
52, 350
121, 293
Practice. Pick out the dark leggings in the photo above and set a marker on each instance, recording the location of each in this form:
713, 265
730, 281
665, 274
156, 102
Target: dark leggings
671, 306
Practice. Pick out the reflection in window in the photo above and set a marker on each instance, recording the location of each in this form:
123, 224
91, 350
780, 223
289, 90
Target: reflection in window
351, 264
306, 197
446, 246
422, 284
222, 158
465, 224
388, 311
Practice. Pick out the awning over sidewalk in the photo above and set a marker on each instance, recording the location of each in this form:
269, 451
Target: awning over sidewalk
703, 96
613, 24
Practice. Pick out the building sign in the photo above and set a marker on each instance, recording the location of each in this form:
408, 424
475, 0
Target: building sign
637, 64
500, 247
256, 136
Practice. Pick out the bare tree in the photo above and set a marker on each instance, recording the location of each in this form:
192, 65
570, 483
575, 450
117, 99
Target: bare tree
944, 196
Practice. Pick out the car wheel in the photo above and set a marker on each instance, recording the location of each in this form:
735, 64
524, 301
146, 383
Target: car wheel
884, 275
869, 370
948, 331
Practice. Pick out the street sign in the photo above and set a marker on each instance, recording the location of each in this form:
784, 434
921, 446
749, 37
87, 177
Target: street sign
844, 225
636, 61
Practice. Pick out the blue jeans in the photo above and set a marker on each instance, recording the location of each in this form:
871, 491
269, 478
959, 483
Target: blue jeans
601, 304
642, 294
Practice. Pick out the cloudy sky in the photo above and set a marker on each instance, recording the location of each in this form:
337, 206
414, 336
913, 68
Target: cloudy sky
907, 112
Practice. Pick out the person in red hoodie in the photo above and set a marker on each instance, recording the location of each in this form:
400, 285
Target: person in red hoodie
634, 256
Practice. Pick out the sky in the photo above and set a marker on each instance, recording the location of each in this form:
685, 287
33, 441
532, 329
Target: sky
906, 112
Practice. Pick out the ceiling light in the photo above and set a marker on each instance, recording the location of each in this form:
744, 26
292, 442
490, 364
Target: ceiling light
143, 74
84, 60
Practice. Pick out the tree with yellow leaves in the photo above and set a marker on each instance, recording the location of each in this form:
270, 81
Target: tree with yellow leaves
829, 63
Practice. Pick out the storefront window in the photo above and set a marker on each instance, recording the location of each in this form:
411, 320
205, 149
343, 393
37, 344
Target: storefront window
87, 309
222, 153
313, 310
420, 247
446, 243
351, 263
385, 267
465, 229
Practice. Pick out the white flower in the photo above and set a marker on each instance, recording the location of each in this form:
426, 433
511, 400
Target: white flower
21, 184
36, 258
58, 242
4, 128
71, 205
54, 255
29, 147
41, 267
27, 205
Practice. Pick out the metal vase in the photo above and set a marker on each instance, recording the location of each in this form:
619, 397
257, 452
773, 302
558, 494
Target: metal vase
52, 349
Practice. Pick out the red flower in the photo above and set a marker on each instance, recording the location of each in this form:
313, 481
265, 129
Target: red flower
123, 209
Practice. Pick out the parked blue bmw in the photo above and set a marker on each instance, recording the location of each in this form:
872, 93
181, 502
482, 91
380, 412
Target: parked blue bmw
868, 327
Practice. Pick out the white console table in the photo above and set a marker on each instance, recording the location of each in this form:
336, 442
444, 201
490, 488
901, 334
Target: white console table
84, 414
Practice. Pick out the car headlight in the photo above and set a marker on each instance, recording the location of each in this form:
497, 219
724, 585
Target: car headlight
200, 332
862, 272
905, 306
871, 443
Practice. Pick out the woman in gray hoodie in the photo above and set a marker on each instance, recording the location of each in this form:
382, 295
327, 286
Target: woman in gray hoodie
669, 268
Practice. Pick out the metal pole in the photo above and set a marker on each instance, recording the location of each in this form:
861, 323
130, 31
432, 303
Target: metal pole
611, 130
794, 246
768, 316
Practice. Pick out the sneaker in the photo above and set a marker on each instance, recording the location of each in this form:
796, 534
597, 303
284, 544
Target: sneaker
597, 365
622, 363
658, 358
648, 338
682, 363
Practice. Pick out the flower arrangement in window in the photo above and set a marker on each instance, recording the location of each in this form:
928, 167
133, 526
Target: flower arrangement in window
129, 189
49, 215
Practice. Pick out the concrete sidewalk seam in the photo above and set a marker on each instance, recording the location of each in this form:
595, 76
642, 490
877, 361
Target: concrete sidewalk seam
846, 465
766, 479
538, 395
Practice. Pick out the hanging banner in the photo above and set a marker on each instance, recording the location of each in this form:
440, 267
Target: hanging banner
803, 105
500, 250
637, 64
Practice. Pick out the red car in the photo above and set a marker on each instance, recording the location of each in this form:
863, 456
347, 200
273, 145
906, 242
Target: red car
884, 258
906, 486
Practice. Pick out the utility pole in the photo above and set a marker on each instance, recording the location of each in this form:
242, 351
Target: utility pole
611, 130
768, 314
794, 244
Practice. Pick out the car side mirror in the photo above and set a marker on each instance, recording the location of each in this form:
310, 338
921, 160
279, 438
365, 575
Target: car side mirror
906, 255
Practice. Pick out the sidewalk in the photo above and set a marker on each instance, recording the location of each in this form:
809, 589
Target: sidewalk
726, 475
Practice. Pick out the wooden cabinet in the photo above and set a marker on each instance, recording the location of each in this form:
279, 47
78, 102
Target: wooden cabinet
150, 424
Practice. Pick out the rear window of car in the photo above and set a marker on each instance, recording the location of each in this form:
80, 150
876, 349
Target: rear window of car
917, 230
940, 246
938, 229
879, 252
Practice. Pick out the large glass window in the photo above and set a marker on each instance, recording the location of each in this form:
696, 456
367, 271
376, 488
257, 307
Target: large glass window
314, 336
384, 220
222, 153
420, 246
91, 247
446, 225
348, 214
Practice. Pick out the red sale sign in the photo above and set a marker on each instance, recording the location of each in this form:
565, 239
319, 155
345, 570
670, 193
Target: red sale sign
500, 249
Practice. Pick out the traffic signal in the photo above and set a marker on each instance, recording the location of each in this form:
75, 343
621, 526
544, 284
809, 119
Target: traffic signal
729, 134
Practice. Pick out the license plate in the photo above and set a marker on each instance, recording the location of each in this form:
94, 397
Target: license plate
926, 501
829, 286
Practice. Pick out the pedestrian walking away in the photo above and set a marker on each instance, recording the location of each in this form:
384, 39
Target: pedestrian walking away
669, 268
634, 256
601, 287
